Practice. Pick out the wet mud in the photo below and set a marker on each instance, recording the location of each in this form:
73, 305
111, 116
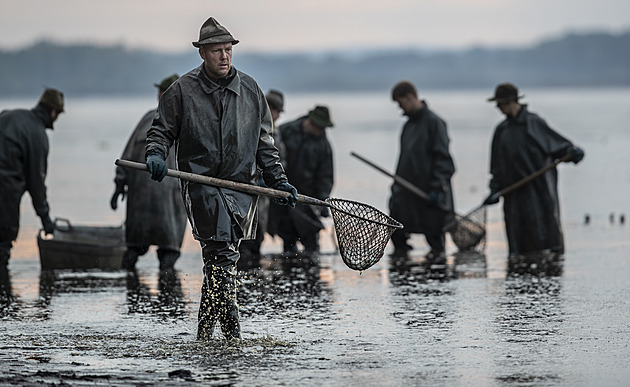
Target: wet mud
469, 319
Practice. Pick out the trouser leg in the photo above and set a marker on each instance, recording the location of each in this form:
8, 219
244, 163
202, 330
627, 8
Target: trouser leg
167, 258
311, 242
399, 239
219, 291
436, 242
5, 253
131, 256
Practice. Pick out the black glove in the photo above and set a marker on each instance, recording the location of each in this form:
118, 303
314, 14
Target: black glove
290, 200
47, 224
435, 198
157, 166
120, 190
493, 198
577, 154
325, 212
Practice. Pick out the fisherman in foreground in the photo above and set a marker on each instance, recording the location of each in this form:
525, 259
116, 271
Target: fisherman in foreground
221, 126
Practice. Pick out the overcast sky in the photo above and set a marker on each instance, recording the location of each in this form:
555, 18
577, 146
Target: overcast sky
288, 25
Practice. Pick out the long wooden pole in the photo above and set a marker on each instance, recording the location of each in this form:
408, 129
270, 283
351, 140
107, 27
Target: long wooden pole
216, 182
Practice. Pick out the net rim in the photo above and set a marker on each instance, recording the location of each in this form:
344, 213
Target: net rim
394, 223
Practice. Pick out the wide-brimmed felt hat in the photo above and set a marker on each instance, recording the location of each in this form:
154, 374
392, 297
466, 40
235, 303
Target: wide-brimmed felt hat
505, 92
52, 98
166, 82
275, 99
213, 32
321, 117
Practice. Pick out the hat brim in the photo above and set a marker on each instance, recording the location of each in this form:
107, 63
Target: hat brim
214, 40
493, 99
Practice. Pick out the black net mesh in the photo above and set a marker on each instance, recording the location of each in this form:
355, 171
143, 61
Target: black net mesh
469, 232
362, 232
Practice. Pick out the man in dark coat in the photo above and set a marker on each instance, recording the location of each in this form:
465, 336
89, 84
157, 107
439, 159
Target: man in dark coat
308, 160
24, 164
426, 162
155, 212
522, 144
219, 122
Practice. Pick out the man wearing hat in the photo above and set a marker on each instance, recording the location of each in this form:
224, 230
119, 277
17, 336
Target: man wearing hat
522, 144
24, 164
308, 160
221, 126
155, 212
426, 162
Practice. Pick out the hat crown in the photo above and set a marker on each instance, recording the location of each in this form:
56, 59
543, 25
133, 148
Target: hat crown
275, 99
213, 32
321, 116
166, 82
505, 92
52, 98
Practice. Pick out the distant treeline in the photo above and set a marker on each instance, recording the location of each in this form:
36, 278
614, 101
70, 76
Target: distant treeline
594, 59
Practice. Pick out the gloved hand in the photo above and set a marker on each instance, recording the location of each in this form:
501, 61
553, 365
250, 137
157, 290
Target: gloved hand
435, 198
577, 154
157, 166
325, 212
120, 190
493, 198
291, 200
47, 224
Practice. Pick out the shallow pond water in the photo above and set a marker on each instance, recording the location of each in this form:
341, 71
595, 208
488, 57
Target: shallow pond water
477, 319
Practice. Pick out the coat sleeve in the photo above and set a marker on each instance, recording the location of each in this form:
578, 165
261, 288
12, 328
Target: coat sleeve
267, 155
36, 170
325, 174
552, 143
443, 167
166, 125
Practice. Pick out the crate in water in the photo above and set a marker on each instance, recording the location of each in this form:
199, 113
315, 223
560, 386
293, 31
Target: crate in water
81, 247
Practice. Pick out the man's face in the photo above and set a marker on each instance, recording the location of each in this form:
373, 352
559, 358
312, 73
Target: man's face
509, 108
407, 103
275, 114
217, 58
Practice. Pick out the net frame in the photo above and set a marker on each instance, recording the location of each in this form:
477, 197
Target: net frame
362, 232
468, 232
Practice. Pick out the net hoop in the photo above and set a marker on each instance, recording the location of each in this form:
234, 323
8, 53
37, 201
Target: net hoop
362, 232
468, 232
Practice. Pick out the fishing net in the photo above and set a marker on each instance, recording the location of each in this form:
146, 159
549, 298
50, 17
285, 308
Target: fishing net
362, 232
468, 232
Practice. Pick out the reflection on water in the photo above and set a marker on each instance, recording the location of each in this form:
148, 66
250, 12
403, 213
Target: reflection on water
286, 284
169, 301
540, 264
530, 316
9, 302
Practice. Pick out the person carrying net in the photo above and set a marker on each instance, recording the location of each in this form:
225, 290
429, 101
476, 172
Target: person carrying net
220, 123
424, 161
522, 144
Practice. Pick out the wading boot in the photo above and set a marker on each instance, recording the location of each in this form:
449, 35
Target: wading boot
129, 259
167, 258
207, 317
228, 313
5, 254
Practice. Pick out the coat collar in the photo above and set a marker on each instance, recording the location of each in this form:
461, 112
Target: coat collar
210, 86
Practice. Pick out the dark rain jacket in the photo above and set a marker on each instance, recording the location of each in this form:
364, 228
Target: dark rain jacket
308, 160
23, 165
223, 132
155, 211
424, 161
521, 146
